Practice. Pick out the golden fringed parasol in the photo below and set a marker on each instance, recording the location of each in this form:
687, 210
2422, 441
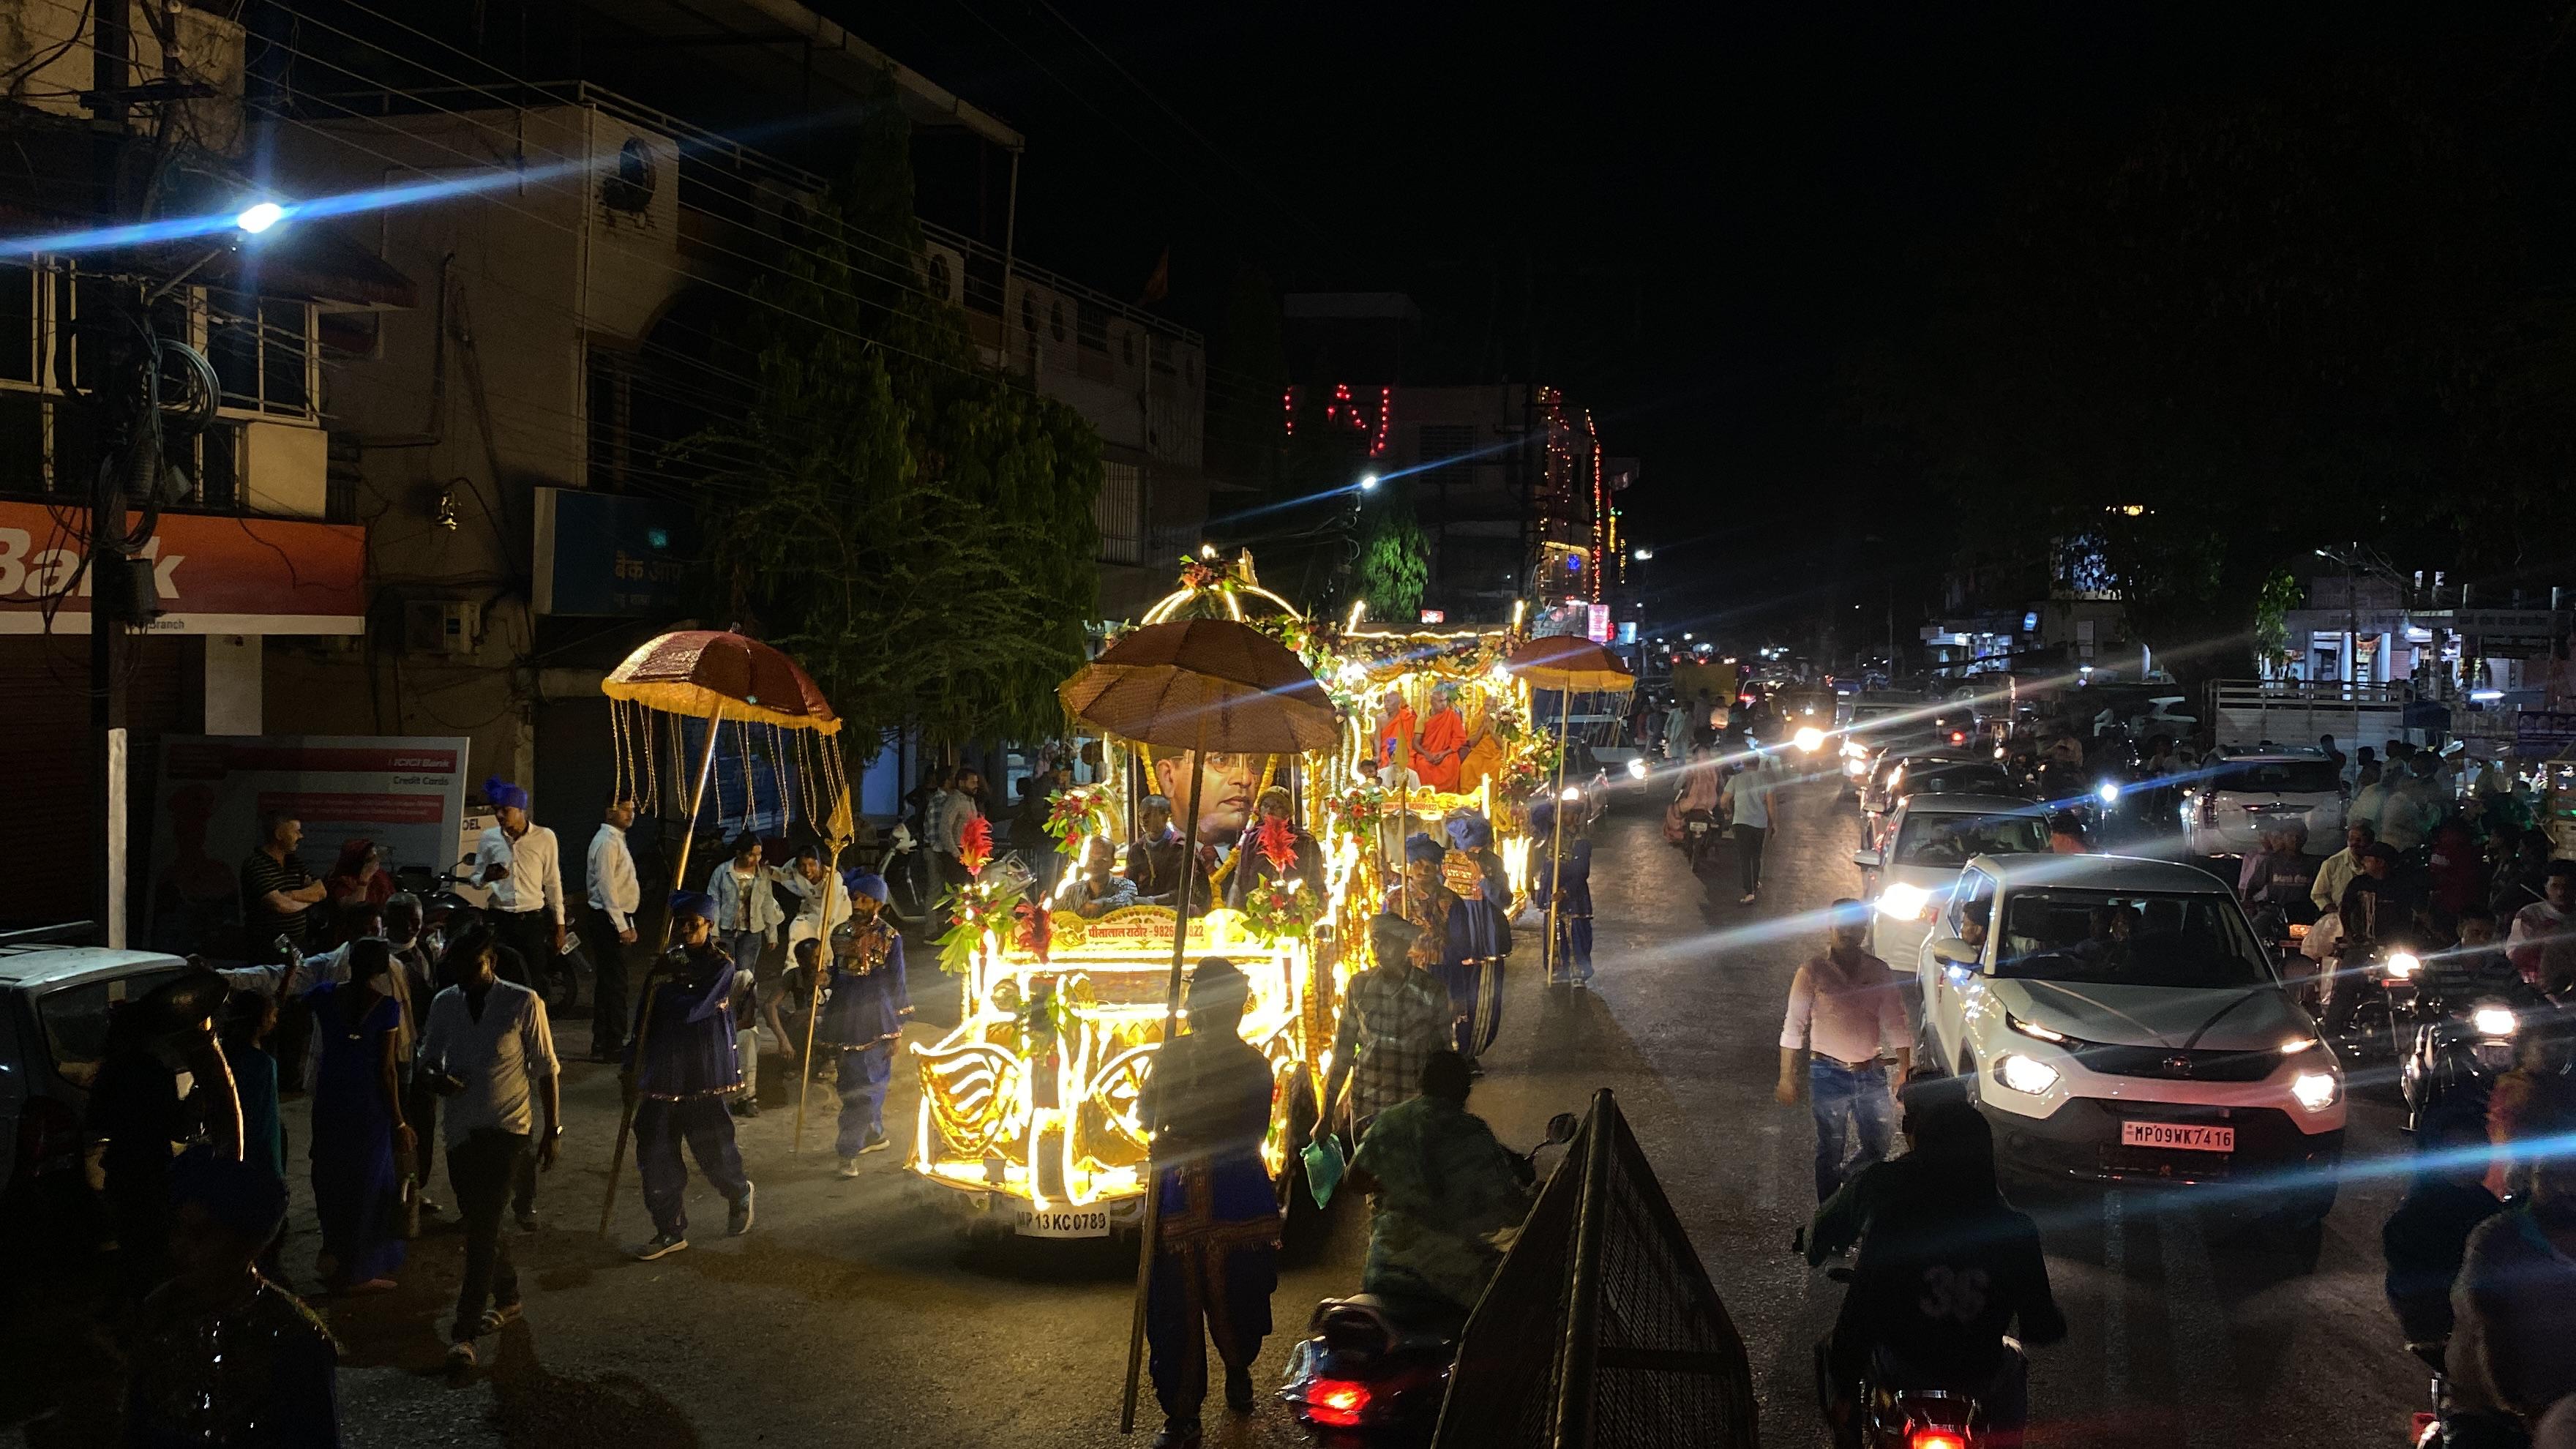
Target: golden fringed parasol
721, 677
1195, 684
1573, 665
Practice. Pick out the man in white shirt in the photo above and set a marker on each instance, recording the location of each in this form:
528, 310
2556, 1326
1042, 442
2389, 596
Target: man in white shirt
488, 1050
615, 895
1846, 1011
1747, 796
517, 861
2542, 944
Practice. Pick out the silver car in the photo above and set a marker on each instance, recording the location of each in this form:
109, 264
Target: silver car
54, 1003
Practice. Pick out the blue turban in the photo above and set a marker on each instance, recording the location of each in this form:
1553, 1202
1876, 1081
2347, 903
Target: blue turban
504, 794
1468, 831
1542, 816
865, 883
693, 903
1423, 848
242, 1196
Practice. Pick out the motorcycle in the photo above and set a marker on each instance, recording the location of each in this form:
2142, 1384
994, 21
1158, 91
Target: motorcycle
1700, 835
1895, 1409
1373, 1369
2283, 930
2374, 1006
2458, 1051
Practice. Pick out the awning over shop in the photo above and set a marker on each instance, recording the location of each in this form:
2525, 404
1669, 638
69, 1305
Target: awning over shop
217, 574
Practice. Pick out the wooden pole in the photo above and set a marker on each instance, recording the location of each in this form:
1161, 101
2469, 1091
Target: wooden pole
1171, 1032
814, 1005
644, 1022
1556, 843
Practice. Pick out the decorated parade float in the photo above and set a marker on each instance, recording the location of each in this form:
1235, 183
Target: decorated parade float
1030, 1106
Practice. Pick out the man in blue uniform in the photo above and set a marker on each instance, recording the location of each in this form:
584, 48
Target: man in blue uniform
864, 1004
1217, 1244
684, 1064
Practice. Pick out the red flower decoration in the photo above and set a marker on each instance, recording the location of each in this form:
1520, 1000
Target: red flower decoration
1277, 843
975, 845
1036, 929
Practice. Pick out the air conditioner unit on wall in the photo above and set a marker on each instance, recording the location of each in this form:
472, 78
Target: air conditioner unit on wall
441, 626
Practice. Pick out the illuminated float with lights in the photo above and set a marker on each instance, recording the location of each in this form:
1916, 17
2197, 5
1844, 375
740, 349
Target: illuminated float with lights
1030, 1105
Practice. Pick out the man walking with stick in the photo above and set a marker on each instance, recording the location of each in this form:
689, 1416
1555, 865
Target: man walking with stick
683, 1066
1216, 1250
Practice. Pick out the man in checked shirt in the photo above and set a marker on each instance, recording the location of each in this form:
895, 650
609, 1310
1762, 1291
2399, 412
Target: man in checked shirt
1394, 1016
1846, 1010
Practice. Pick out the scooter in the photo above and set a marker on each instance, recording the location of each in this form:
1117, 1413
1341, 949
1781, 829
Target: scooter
1896, 1408
1373, 1369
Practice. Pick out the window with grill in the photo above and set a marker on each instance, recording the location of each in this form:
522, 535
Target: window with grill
1092, 323
1439, 451
262, 349
1120, 513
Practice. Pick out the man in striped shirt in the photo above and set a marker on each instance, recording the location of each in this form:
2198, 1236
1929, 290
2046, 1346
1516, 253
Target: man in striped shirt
1394, 1016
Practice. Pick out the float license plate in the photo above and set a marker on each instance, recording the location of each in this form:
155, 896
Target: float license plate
2178, 1136
1069, 1223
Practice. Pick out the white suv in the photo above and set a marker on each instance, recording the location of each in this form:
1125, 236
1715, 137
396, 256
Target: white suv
2120, 1022
2242, 791
1928, 838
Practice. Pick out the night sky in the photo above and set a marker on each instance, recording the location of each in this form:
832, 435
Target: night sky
1698, 220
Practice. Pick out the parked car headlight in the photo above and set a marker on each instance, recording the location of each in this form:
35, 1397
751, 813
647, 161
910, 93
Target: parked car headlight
1902, 902
2492, 1021
2024, 1075
2315, 1090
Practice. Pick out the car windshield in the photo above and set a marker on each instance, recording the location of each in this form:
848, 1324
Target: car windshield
1947, 840
1967, 779
2278, 777
2115, 938
75, 1019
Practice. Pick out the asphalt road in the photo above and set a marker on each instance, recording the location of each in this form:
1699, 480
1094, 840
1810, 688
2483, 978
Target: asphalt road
853, 1312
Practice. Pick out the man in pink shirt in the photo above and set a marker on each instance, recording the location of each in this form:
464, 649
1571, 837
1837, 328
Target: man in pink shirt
1846, 1011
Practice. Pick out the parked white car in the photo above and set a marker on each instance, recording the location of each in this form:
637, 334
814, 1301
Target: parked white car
2118, 1021
2242, 791
1929, 838
54, 1002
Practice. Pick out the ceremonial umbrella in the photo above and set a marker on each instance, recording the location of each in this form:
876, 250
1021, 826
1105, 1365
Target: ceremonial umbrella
1572, 665
718, 675
1195, 684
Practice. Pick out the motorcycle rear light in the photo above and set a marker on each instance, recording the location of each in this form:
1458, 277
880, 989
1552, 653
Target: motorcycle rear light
1338, 1403
1936, 1439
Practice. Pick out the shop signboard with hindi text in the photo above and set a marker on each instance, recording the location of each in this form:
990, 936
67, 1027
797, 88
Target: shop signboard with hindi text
407, 794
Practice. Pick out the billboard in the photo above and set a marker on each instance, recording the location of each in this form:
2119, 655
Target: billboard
405, 794
215, 574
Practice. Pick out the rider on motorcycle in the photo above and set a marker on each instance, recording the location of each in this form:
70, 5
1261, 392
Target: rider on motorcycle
1945, 1269
1449, 1196
2377, 914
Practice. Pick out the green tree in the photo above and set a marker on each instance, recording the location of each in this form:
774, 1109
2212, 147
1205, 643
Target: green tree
1395, 557
916, 530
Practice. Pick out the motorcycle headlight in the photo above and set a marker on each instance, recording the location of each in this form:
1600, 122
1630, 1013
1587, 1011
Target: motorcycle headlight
2108, 790
2402, 965
1808, 740
2314, 1090
2024, 1075
1854, 749
1902, 902
2493, 1021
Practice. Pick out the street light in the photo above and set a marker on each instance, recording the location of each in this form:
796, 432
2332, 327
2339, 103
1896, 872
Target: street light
260, 216
1642, 554
1368, 482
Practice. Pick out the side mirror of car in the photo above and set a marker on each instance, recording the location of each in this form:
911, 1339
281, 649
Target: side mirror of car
1951, 951
1562, 1127
1868, 859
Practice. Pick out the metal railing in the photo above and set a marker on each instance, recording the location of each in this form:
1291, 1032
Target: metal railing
1601, 1328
